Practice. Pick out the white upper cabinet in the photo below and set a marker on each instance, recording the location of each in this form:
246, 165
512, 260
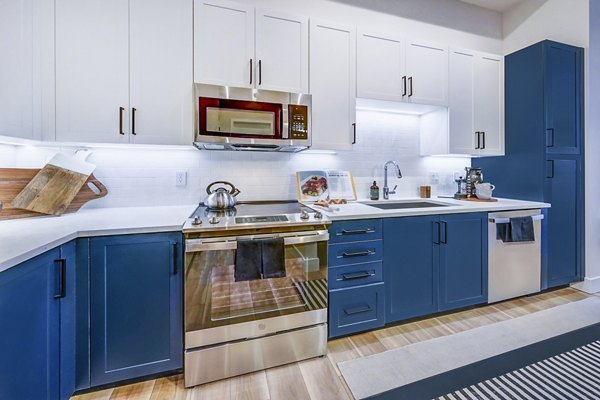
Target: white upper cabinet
333, 85
475, 107
92, 71
16, 68
238, 45
223, 43
124, 71
380, 67
161, 96
489, 103
427, 73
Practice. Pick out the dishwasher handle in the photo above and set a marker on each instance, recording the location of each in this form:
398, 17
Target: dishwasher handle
538, 217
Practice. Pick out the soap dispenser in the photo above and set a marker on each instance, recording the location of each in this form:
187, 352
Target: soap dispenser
374, 191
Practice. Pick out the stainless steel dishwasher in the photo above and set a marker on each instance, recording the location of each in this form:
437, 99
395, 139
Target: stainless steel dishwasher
514, 268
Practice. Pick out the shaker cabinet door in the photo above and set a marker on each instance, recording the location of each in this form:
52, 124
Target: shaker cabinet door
224, 43
333, 85
427, 73
462, 139
489, 103
92, 71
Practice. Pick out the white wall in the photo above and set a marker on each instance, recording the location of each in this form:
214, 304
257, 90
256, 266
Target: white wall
146, 176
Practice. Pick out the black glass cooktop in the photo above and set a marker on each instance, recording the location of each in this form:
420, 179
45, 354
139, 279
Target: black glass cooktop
259, 210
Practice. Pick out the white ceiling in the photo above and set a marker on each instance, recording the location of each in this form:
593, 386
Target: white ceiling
496, 5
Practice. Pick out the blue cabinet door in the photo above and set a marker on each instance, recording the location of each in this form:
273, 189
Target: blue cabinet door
463, 260
410, 263
562, 230
563, 90
135, 306
29, 325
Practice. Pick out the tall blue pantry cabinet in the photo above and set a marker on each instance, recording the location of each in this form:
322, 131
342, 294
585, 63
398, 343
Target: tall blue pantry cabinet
544, 150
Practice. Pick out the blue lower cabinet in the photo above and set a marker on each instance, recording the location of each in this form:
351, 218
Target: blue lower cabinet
35, 318
355, 230
355, 275
135, 306
410, 266
355, 252
356, 309
463, 260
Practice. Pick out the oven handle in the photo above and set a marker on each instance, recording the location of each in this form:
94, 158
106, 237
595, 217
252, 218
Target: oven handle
230, 243
507, 220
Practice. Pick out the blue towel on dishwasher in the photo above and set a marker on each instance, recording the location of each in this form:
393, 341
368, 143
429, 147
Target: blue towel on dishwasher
519, 229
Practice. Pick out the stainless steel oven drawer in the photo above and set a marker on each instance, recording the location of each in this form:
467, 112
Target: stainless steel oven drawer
237, 358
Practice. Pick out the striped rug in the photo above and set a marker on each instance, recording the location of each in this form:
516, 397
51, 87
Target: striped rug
571, 375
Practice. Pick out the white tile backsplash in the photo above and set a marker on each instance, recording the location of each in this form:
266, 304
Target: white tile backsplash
146, 176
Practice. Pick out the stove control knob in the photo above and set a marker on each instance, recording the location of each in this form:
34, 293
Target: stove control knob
214, 220
197, 221
304, 215
318, 215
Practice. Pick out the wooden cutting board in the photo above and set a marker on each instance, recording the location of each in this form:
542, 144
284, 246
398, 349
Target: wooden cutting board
14, 180
480, 200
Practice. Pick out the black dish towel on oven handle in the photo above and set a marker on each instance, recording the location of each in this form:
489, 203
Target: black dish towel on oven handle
248, 258
273, 258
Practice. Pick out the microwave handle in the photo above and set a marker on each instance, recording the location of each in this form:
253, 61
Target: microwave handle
194, 245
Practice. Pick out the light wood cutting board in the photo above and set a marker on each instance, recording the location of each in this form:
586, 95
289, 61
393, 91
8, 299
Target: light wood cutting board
13, 180
56, 185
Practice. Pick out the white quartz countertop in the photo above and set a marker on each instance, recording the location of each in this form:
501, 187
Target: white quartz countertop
22, 239
362, 209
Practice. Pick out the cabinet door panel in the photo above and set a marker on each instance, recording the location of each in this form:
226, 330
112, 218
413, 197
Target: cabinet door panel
332, 84
563, 99
135, 307
223, 43
562, 227
461, 102
410, 263
281, 52
380, 67
427, 71
16, 68
29, 317
463, 260
92, 70
161, 71
489, 103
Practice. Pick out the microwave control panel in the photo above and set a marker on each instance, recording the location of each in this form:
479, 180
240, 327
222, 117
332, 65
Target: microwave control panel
298, 122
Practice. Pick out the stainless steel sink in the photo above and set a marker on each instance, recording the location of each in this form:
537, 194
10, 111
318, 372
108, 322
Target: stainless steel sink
406, 204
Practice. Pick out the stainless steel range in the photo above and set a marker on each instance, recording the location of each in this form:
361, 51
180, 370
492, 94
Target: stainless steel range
255, 289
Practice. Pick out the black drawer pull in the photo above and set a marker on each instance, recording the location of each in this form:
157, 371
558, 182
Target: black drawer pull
356, 231
358, 253
59, 277
357, 275
357, 310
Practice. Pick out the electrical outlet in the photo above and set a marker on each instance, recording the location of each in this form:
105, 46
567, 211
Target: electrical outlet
180, 178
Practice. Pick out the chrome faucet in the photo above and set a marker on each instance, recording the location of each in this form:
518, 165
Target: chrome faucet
386, 189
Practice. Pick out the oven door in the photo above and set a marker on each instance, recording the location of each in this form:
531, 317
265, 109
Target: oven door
220, 309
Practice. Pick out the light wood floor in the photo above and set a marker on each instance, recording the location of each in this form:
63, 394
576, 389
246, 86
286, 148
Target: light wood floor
320, 378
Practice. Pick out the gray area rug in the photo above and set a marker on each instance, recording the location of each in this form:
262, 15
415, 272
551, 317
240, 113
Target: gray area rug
385, 371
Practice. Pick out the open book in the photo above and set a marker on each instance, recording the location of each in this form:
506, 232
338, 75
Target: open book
325, 185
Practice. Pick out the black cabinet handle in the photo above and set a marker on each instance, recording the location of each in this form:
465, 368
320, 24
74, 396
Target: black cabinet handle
59, 278
410, 85
356, 231
260, 72
251, 71
133, 110
436, 233
403, 86
550, 137
354, 129
358, 253
121, 110
357, 275
444, 237
483, 141
478, 140
173, 257
357, 310
550, 169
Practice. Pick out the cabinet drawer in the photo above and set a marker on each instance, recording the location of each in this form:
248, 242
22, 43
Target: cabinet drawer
354, 275
354, 231
355, 253
356, 309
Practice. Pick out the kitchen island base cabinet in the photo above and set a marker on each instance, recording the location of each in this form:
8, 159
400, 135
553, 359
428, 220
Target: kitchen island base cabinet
135, 306
36, 348
434, 263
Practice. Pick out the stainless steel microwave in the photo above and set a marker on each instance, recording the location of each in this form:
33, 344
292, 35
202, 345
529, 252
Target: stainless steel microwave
245, 119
